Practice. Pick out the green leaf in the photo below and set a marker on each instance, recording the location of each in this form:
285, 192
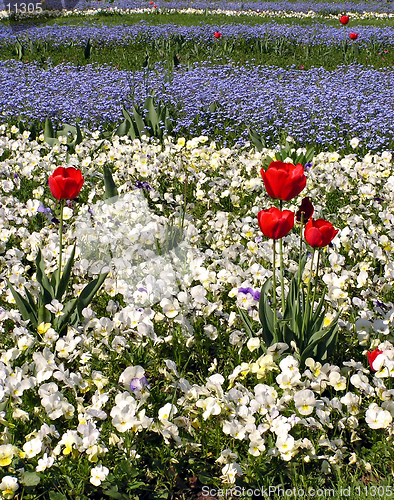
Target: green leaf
30, 479
48, 130
325, 351
79, 137
153, 115
66, 129
31, 301
54, 278
256, 138
113, 493
319, 308
266, 314
139, 121
23, 305
110, 186
44, 315
89, 292
56, 495
246, 322
324, 337
289, 335
122, 129
46, 287
65, 278
88, 49
136, 485
62, 321
126, 114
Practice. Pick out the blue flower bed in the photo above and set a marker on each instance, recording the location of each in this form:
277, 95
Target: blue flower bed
315, 106
317, 34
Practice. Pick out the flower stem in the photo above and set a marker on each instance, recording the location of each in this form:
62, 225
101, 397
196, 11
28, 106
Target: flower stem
316, 277
282, 286
60, 239
307, 304
274, 291
281, 276
300, 253
184, 202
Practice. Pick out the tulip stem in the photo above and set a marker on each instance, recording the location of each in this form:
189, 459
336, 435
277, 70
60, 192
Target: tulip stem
308, 294
300, 254
282, 287
274, 290
61, 240
316, 278
281, 276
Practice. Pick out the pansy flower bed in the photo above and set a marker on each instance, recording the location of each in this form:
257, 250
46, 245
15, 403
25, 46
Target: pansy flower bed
160, 386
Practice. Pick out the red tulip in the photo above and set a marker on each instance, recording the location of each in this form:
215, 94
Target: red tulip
65, 183
353, 36
274, 223
306, 208
344, 19
284, 180
372, 356
319, 233
217, 34
151, 3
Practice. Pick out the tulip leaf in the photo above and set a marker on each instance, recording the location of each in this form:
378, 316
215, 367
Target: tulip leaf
138, 121
31, 300
126, 114
152, 113
123, 128
288, 335
257, 140
110, 186
44, 315
61, 286
65, 319
66, 129
320, 337
54, 278
320, 306
89, 291
23, 305
46, 287
325, 350
48, 130
266, 314
246, 322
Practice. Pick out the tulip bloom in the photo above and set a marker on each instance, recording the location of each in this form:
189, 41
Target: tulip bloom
319, 233
283, 180
217, 34
65, 183
353, 36
274, 223
344, 19
372, 356
306, 208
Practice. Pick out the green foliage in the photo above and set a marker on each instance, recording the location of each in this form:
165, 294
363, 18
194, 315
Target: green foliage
54, 289
88, 49
299, 324
286, 150
109, 184
52, 138
153, 120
